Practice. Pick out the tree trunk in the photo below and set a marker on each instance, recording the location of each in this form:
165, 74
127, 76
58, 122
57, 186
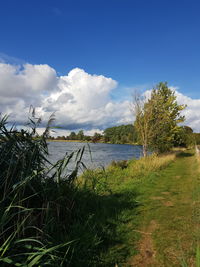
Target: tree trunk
144, 150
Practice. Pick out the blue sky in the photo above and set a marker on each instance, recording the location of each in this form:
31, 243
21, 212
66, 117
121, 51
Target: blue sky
137, 43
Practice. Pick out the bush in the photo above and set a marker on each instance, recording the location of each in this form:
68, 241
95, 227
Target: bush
121, 164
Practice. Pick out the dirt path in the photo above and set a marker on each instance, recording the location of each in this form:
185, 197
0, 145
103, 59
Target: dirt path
170, 216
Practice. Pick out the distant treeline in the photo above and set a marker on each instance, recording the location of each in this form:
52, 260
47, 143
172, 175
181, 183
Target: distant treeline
124, 134
80, 136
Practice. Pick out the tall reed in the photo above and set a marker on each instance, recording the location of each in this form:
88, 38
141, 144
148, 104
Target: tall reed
36, 201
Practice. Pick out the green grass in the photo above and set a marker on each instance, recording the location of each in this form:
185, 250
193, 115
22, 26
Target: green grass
162, 227
170, 198
123, 186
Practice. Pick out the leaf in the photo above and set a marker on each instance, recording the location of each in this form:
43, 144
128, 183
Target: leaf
6, 260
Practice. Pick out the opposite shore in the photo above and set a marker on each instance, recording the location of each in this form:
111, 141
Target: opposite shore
90, 142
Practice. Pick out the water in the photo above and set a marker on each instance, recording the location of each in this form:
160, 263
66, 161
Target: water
102, 154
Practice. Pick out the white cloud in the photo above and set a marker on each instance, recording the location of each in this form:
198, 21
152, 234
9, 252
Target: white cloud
83, 100
191, 112
79, 100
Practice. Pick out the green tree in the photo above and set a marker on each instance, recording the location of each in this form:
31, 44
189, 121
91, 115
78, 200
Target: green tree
142, 124
157, 119
197, 138
184, 137
166, 114
80, 135
96, 137
72, 136
120, 134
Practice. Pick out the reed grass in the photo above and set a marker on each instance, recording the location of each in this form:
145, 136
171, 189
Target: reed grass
36, 202
150, 164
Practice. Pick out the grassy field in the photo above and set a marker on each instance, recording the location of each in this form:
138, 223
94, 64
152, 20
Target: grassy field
121, 187
156, 211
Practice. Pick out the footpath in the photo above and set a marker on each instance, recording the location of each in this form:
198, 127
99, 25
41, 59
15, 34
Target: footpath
169, 215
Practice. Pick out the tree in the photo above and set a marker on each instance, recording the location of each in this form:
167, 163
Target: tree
184, 137
142, 124
96, 137
80, 135
120, 134
157, 119
197, 138
166, 115
72, 136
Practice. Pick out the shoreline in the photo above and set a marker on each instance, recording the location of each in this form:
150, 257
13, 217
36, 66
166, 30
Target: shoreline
90, 142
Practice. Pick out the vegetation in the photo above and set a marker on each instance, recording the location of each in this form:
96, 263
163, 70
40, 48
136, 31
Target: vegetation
123, 134
157, 119
184, 137
197, 138
49, 217
160, 196
36, 202
80, 136
170, 209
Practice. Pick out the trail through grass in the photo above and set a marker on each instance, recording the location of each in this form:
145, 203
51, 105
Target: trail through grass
169, 215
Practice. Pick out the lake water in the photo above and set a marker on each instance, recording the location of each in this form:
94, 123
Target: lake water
101, 154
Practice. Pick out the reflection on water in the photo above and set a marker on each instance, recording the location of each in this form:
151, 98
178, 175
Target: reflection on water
101, 154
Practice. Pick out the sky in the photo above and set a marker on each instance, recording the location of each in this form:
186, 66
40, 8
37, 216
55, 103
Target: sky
83, 59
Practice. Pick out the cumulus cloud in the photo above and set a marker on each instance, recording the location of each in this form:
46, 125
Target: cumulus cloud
192, 111
83, 101
21, 87
78, 99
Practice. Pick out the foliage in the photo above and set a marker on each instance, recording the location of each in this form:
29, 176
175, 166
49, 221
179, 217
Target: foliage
80, 135
165, 117
121, 164
142, 124
157, 119
123, 134
96, 137
46, 220
184, 137
36, 202
120, 134
72, 136
197, 138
